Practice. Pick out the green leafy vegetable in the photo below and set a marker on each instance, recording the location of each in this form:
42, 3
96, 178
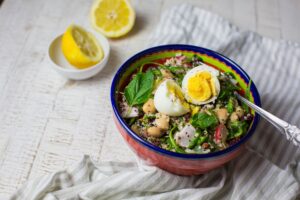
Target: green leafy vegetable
195, 58
247, 96
140, 88
194, 141
172, 141
156, 72
179, 78
237, 128
230, 74
202, 139
204, 120
230, 105
175, 69
153, 63
131, 121
227, 90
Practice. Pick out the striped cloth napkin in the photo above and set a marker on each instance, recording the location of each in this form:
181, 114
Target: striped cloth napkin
269, 169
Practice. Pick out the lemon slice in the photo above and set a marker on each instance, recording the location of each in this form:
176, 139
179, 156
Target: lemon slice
113, 18
80, 47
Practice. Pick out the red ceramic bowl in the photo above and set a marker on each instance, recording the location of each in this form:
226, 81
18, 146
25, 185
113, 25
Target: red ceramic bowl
177, 163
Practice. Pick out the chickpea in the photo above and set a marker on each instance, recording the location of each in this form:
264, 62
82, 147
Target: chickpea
154, 131
135, 128
222, 115
234, 117
149, 107
239, 111
162, 121
166, 73
205, 145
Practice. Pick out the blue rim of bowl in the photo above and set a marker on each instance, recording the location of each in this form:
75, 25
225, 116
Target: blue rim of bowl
184, 47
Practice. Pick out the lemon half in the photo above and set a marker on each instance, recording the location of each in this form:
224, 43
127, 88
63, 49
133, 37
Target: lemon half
113, 18
80, 47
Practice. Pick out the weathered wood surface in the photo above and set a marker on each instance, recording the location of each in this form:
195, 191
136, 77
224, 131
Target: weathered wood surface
47, 122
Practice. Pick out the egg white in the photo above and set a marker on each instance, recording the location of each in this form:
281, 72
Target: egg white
214, 73
166, 102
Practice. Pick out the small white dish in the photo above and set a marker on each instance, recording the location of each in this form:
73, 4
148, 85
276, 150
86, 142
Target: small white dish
62, 66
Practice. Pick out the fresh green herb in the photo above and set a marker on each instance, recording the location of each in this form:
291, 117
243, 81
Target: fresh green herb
153, 63
172, 141
230, 74
247, 96
149, 116
195, 58
194, 141
175, 69
202, 139
140, 88
156, 72
230, 105
179, 78
237, 128
203, 120
131, 121
227, 90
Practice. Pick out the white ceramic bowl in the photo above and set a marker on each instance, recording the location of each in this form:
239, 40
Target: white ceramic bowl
62, 66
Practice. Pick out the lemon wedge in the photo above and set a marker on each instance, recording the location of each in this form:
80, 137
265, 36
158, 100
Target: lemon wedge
113, 18
80, 47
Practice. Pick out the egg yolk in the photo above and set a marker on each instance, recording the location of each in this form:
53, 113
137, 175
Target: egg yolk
201, 86
176, 92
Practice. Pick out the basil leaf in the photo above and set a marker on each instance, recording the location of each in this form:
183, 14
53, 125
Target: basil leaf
140, 88
204, 120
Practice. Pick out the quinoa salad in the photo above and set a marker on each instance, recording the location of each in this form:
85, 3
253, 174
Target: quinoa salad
184, 105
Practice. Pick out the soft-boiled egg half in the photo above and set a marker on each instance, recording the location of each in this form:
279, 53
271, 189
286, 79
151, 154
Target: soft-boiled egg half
169, 99
200, 85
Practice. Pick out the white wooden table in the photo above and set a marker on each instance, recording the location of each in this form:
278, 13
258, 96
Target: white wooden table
47, 122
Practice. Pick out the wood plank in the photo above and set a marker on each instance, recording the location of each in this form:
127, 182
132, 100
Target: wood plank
289, 16
268, 20
244, 14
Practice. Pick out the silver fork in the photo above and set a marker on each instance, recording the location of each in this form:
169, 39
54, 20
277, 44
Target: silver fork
291, 132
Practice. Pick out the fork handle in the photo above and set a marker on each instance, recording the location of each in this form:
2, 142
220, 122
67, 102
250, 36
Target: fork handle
291, 132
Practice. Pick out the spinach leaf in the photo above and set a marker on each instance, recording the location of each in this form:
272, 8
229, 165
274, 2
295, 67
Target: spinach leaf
204, 120
140, 88
237, 128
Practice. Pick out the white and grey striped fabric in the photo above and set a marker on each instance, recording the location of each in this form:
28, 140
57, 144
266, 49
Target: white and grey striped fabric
269, 169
